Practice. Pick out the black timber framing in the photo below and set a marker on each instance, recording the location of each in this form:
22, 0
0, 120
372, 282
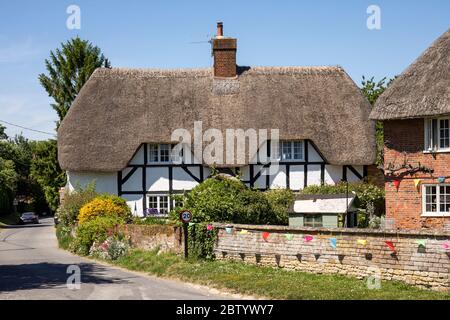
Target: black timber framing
252, 176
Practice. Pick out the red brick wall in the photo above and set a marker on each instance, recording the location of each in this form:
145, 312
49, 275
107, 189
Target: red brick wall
405, 138
224, 51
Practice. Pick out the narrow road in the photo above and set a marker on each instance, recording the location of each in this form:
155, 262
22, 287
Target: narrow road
33, 267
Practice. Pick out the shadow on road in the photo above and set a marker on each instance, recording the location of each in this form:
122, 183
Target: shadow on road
24, 226
49, 275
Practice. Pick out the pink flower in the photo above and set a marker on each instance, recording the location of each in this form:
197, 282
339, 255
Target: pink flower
209, 227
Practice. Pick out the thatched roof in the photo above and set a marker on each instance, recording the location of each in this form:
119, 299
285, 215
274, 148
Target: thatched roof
421, 90
118, 109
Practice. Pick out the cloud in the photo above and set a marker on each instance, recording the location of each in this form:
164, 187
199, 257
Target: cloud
18, 51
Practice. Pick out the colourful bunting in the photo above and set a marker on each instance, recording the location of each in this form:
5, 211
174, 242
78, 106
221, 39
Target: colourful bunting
446, 245
308, 238
289, 236
441, 179
265, 235
209, 227
397, 184
229, 230
243, 231
333, 242
191, 224
422, 243
361, 242
416, 183
390, 245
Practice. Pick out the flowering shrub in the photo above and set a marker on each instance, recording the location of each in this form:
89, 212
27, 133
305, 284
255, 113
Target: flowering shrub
96, 230
105, 206
111, 249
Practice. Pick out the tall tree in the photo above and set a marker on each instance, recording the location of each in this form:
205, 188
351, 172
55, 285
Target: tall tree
372, 90
68, 70
46, 171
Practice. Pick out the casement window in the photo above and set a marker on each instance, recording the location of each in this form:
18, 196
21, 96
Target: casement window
291, 150
436, 199
312, 220
437, 134
161, 204
161, 153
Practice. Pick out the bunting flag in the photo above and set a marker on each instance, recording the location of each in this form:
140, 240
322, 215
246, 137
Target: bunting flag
308, 238
209, 227
390, 245
397, 184
422, 243
446, 245
243, 231
361, 242
191, 224
333, 242
265, 235
289, 236
416, 183
441, 179
229, 230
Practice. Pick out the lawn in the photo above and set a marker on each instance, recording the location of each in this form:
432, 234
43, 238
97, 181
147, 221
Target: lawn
267, 282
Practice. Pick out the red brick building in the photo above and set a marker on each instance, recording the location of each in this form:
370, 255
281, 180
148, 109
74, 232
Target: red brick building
415, 111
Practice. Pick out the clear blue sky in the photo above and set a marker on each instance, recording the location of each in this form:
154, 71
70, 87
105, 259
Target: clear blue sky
136, 33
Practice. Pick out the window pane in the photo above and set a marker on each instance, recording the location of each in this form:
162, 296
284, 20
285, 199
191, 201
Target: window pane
164, 152
430, 199
286, 150
163, 204
298, 150
153, 202
153, 152
444, 133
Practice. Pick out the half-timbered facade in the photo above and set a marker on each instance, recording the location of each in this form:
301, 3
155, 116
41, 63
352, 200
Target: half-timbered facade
118, 130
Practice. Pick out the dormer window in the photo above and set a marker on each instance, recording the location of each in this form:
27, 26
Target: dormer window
161, 153
437, 135
292, 150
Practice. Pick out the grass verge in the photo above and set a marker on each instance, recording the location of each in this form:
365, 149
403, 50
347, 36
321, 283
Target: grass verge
268, 282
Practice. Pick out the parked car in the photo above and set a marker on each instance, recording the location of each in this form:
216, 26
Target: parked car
29, 217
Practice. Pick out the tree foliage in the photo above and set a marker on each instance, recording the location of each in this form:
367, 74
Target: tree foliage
46, 171
68, 70
372, 90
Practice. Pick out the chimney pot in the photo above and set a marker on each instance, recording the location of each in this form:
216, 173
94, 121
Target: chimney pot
219, 29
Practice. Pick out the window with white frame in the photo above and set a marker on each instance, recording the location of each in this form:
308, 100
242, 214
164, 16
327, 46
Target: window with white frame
436, 199
161, 153
437, 134
161, 203
291, 150
312, 220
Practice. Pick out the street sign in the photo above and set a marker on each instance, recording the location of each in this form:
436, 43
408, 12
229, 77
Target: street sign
185, 216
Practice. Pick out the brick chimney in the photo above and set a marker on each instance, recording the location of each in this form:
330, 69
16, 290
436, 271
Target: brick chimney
224, 52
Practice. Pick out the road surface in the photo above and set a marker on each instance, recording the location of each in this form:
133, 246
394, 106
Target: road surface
33, 267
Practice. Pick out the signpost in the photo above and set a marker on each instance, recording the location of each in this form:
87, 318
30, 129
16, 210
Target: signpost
185, 217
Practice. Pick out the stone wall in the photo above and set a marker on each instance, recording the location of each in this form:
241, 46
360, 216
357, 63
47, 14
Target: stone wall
426, 267
149, 237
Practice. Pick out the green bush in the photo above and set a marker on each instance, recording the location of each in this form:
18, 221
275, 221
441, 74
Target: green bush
64, 236
201, 241
222, 199
95, 230
105, 205
68, 212
149, 221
